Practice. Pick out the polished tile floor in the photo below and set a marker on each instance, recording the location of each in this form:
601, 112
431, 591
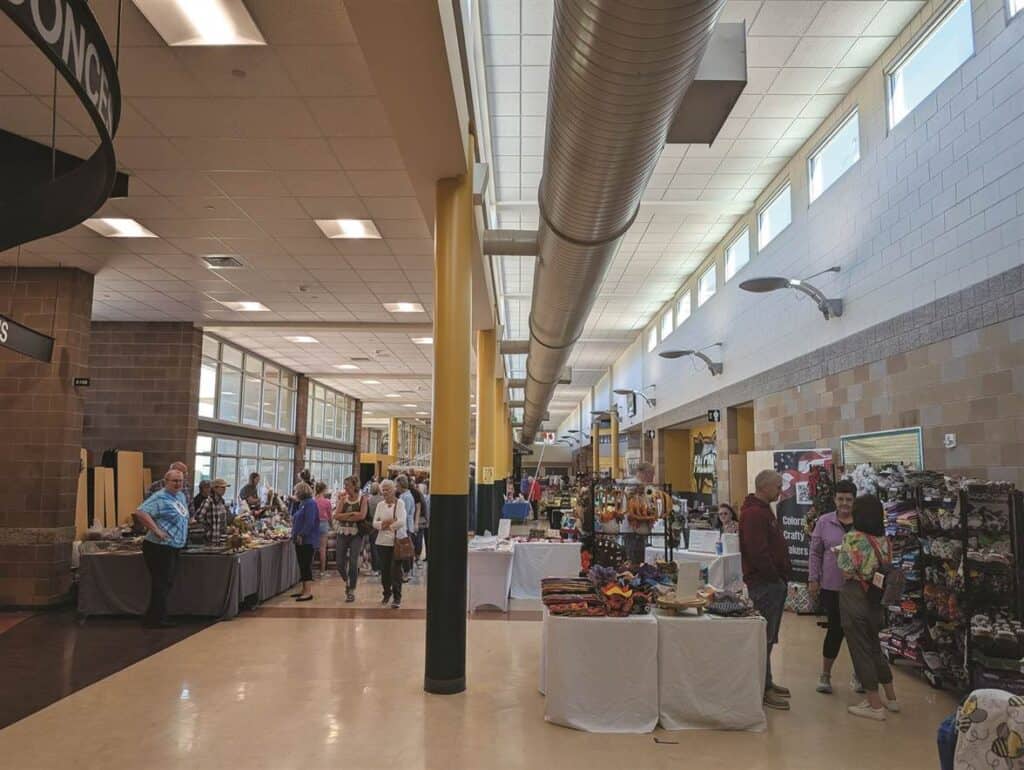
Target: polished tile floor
324, 691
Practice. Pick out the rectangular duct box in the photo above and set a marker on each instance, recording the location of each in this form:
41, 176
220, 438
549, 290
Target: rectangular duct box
720, 80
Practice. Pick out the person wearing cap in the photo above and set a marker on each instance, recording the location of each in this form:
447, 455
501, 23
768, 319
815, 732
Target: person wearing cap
213, 513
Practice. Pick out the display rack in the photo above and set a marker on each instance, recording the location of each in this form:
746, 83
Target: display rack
606, 492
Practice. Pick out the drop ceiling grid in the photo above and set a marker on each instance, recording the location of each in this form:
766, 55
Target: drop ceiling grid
229, 164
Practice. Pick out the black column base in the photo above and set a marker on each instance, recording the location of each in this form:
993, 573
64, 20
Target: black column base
445, 686
497, 503
484, 508
445, 670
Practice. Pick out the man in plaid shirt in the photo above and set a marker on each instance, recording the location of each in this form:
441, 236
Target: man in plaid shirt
213, 513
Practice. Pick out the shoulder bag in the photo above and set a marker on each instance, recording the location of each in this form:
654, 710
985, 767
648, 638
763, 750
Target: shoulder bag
886, 586
365, 525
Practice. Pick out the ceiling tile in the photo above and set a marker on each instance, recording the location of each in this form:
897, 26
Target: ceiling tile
820, 51
785, 17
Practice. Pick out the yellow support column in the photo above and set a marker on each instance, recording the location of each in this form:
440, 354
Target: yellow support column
486, 424
445, 670
615, 443
393, 438
595, 446
501, 448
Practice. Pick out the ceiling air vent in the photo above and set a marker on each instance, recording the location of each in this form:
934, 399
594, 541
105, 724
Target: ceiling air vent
359, 358
219, 262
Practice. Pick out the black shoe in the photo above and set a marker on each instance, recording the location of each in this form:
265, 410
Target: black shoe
385, 601
296, 596
308, 598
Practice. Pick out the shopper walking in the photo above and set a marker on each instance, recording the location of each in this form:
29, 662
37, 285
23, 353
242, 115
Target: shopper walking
351, 525
213, 513
306, 536
865, 553
825, 579
411, 512
375, 499
535, 494
766, 568
164, 515
389, 520
323, 508
421, 512
423, 528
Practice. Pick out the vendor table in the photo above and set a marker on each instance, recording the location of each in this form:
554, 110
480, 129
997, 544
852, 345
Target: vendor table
533, 561
711, 672
212, 585
722, 570
490, 577
600, 674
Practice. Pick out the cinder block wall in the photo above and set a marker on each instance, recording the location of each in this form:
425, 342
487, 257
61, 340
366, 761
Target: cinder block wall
144, 392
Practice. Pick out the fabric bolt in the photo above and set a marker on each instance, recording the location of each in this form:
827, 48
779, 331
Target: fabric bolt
699, 688
862, 620
770, 600
990, 727
489, 579
822, 568
533, 561
834, 636
583, 690
347, 553
170, 513
213, 515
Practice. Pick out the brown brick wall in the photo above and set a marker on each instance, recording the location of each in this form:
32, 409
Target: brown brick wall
971, 385
144, 392
41, 415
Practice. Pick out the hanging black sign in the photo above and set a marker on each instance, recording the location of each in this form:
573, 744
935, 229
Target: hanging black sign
23, 340
67, 33
714, 415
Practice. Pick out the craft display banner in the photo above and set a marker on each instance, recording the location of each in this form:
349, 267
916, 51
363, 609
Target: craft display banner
795, 467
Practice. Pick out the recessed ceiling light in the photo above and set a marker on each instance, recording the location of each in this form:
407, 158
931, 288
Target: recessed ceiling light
113, 227
370, 382
346, 367
403, 307
393, 395
423, 340
245, 306
303, 339
410, 406
201, 22
222, 262
348, 228
367, 411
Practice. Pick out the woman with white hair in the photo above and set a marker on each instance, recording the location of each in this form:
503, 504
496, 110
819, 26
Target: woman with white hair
389, 521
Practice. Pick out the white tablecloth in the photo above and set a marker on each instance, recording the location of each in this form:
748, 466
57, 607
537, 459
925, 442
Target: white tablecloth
533, 561
490, 576
600, 675
722, 570
711, 672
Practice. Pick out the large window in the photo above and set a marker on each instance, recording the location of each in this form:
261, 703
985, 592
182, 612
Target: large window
331, 415
238, 387
652, 338
835, 156
1016, 6
707, 285
737, 254
683, 308
234, 459
884, 447
947, 44
775, 217
666, 323
331, 466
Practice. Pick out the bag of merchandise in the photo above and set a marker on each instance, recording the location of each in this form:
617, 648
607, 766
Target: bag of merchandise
798, 599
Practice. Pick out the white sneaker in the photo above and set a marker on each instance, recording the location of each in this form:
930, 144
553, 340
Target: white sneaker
824, 684
893, 706
864, 710
855, 684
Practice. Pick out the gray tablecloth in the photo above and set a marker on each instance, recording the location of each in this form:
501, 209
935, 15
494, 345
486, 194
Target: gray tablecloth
212, 585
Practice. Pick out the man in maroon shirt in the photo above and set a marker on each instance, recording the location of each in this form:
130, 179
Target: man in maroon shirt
766, 568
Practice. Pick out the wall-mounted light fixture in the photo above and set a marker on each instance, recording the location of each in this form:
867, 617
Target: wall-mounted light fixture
713, 366
828, 307
631, 392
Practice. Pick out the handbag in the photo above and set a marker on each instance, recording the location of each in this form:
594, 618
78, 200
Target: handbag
404, 549
886, 585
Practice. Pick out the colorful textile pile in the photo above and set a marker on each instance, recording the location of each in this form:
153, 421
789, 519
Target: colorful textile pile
573, 597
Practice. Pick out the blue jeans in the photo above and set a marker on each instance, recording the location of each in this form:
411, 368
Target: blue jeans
347, 555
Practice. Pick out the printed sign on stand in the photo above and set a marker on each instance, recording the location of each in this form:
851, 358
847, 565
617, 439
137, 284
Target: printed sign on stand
795, 467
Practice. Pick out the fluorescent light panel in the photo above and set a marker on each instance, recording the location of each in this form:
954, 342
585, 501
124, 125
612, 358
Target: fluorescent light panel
409, 406
303, 339
201, 22
346, 367
370, 382
403, 307
348, 228
113, 227
245, 306
423, 340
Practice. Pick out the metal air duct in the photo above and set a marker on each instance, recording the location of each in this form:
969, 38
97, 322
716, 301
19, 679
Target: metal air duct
619, 70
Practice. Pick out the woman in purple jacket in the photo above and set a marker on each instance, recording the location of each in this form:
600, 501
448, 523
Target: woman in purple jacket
306, 536
825, 578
